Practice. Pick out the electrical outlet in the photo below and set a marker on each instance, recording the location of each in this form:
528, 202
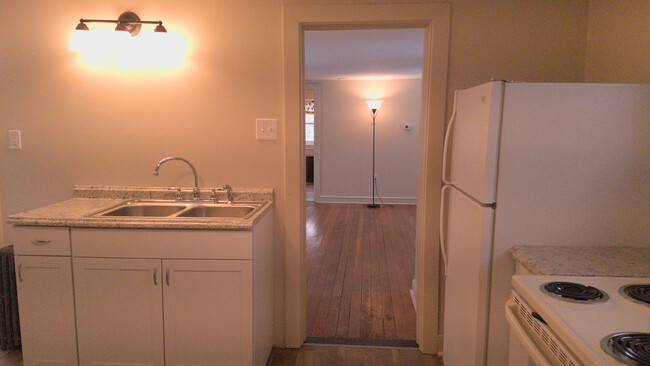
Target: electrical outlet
14, 140
376, 177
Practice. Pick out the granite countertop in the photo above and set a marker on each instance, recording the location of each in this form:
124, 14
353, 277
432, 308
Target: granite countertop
91, 199
584, 261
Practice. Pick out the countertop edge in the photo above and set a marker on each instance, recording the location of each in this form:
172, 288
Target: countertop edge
140, 223
526, 261
587, 261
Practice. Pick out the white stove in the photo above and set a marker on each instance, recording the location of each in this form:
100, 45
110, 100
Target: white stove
568, 321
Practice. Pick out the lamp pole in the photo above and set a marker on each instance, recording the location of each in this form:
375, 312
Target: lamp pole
374, 115
374, 107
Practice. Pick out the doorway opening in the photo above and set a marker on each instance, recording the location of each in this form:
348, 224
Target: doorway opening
362, 163
298, 18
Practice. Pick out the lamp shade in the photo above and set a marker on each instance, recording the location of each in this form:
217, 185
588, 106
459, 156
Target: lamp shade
374, 104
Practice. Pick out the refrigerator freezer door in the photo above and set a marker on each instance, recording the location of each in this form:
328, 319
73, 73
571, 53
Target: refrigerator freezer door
469, 242
475, 141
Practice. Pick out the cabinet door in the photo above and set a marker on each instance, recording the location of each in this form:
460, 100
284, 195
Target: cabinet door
208, 312
119, 311
46, 306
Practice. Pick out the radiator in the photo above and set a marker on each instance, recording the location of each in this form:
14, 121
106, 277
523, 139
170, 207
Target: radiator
9, 325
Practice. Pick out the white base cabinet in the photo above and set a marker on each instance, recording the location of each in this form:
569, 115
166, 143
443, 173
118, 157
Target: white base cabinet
208, 312
46, 308
119, 311
145, 297
173, 297
207, 307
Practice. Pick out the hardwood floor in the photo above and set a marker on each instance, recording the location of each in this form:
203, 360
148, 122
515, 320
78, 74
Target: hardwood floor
11, 358
360, 263
312, 355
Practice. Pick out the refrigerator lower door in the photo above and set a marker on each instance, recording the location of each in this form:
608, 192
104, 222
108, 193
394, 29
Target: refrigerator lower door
469, 244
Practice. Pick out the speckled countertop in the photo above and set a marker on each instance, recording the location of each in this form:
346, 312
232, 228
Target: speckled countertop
584, 261
91, 199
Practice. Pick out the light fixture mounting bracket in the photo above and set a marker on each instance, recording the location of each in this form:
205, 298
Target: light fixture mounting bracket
131, 21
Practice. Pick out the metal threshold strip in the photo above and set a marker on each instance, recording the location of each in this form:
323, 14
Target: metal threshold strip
373, 342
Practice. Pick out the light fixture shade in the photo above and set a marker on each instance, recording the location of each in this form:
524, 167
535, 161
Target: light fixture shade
120, 27
82, 27
374, 104
160, 29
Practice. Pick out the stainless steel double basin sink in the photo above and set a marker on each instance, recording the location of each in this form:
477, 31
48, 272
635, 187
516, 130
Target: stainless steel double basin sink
174, 209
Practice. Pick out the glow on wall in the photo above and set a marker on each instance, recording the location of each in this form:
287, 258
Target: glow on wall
103, 47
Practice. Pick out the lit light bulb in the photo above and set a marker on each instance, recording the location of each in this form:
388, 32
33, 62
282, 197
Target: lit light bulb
119, 42
374, 104
80, 40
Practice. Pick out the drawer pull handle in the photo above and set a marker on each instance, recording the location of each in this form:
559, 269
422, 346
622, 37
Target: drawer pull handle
20, 272
40, 242
155, 276
167, 276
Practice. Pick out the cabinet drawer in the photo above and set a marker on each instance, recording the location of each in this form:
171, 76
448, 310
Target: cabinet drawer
175, 244
33, 240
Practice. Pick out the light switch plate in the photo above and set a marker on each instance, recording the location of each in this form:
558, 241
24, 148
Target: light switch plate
14, 140
266, 129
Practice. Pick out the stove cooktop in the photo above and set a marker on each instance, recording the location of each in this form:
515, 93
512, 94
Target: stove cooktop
630, 348
575, 292
585, 325
636, 292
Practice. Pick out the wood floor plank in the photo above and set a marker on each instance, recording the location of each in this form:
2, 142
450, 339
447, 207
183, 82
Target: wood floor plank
354, 324
313, 355
360, 265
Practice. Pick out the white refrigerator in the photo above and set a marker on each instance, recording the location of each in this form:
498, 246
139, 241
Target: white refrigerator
562, 164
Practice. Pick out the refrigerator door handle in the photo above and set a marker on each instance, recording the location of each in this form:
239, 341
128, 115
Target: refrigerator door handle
445, 147
443, 236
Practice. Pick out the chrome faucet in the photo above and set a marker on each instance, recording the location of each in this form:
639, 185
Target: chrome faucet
225, 187
196, 192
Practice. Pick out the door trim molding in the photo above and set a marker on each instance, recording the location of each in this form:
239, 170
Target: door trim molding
435, 18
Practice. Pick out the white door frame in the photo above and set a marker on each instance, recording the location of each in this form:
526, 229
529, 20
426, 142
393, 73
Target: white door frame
316, 88
435, 19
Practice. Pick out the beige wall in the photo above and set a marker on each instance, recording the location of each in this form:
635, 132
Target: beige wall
83, 125
525, 40
618, 41
346, 140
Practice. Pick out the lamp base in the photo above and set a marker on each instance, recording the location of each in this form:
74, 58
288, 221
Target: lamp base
372, 205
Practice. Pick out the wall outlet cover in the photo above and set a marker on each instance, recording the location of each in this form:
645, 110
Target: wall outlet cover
15, 142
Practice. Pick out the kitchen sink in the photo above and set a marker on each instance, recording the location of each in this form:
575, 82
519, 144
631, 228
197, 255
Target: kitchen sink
144, 209
235, 211
174, 209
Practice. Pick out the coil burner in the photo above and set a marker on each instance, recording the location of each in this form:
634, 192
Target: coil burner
574, 292
636, 293
631, 348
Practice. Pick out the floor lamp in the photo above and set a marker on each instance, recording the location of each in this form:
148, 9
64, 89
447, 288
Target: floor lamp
374, 107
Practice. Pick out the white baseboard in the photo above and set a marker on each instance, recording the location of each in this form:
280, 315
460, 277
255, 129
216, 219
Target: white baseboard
366, 200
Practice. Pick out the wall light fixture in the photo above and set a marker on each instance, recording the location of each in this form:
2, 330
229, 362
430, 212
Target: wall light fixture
127, 22
128, 25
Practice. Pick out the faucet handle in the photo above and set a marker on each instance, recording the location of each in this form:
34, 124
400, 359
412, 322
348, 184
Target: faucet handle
228, 189
179, 195
213, 195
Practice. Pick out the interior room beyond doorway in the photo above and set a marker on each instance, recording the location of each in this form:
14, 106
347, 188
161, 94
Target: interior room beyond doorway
361, 260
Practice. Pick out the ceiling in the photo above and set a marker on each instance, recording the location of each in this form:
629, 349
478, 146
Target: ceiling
364, 54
